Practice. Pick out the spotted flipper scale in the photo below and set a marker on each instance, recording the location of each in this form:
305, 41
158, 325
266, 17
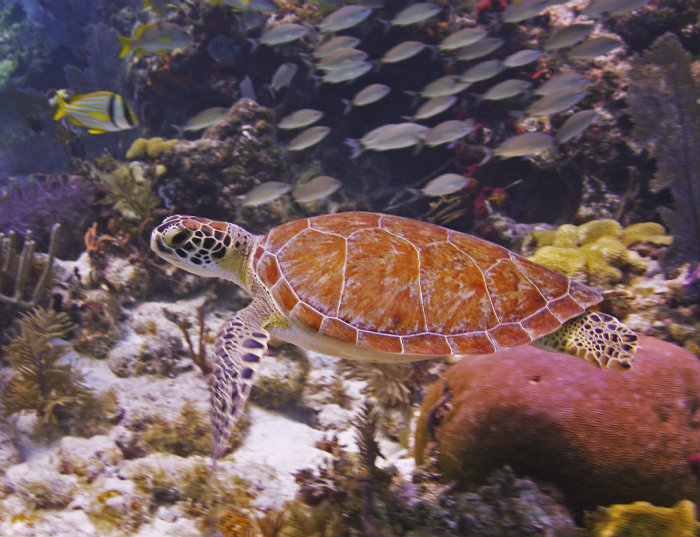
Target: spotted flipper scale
238, 350
596, 337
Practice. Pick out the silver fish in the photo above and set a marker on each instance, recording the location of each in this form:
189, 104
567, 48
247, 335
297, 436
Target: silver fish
563, 80
568, 36
524, 10
556, 101
403, 51
434, 106
593, 48
575, 125
265, 193
482, 71
337, 43
308, 138
159, 36
506, 89
416, 13
479, 49
349, 73
446, 184
522, 57
284, 33
367, 95
342, 59
387, 137
462, 38
448, 131
300, 118
283, 76
445, 85
345, 17
530, 143
205, 119
317, 188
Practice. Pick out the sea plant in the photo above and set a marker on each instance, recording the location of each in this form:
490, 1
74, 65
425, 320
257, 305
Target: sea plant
131, 192
18, 269
39, 380
666, 114
198, 354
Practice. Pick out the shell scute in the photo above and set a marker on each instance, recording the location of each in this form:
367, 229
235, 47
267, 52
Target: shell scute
345, 224
382, 265
542, 322
485, 254
565, 308
418, 233
339, 330
269, 270
277, 237
455, 296
513, 296
380, 342
313, 265
473, 343
551, 284
426, 344
510, 335
284, 295
308, 316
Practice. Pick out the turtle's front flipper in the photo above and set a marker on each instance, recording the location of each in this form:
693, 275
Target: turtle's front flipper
239, 348
596, 337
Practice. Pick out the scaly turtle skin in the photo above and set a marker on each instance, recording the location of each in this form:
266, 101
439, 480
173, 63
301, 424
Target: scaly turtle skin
375, 287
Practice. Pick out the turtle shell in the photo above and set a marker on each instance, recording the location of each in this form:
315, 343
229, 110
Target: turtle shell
396, 285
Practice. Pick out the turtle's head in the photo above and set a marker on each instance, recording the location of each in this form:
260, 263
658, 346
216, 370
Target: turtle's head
206, 247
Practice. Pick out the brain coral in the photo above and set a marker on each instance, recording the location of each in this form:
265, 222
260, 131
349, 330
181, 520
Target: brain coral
601, 436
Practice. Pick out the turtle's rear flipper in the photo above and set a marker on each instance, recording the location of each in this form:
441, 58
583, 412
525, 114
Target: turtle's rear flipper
596, 337
239, 348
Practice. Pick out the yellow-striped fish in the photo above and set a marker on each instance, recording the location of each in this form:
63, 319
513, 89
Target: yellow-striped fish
159, 37
99, 111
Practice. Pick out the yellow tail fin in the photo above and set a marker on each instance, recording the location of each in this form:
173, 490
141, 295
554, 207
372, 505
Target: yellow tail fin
125, 42
61, 112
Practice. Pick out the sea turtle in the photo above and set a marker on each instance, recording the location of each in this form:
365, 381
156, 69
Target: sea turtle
382, 288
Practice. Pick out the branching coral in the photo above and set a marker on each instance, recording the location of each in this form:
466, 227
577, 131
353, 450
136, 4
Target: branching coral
39, 381
16, 269
594, 252
666, 113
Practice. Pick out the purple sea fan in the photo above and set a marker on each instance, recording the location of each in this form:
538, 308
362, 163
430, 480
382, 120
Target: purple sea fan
37, 205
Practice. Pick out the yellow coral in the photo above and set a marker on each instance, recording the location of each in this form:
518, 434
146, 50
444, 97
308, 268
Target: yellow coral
594, 252
152, 148
642, 519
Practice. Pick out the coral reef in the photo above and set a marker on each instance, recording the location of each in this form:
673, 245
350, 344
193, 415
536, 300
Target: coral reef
595, 252
555, 417
642, 519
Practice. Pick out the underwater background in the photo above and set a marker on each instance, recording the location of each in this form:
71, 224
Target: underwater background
566, 132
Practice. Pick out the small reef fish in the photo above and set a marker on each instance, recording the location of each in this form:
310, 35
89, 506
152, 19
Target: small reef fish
482, 71
308, 138
612, 7
563, 80
522, 57
159, 37
342, 59
569, 36
248, 5
300, 118
284, 33
343, 18
265, 193
434, 106
575, 125
448, 131
556, 101
445, 184
527, 9
222, 48
530, 143
368, 95
337, 43
205, 119
283, 76
349, 73
445, 85
403, 51
479, 49
462, 38
387, 137
506, 89
414, 14
158, 6
316, 189
99, 111
593, 48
